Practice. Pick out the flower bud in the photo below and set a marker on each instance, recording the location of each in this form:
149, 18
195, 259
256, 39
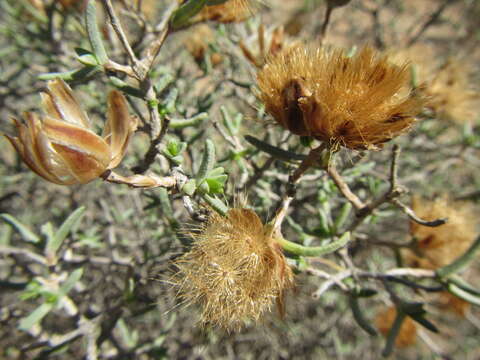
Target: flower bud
61, 147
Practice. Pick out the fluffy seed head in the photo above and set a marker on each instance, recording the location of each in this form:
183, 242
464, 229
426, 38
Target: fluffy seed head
439, 246
408, 330
198, 42
234, 270
452, 96
359, 102
231, 11
448, 84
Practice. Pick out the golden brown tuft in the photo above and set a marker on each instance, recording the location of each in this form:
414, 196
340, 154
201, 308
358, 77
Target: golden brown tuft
439, 246
453, 304
408, 330
358, 102
198, 41
276, 44
447, 85
452, 96
230, 11
234, 270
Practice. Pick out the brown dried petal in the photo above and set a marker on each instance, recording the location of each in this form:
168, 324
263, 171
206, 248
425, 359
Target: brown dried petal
119, 127
60, 103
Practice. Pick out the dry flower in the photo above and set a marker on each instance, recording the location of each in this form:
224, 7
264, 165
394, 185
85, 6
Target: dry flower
408, 330
452, 96
439, 246
447, 85
235, 270
358, 102
228, 12
198, 41
453, 304
277, 43
61, 147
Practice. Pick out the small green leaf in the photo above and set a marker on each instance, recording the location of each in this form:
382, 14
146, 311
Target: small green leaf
342, 216
208, 161
359, 317
189, 9
35, 316
216, 184
228, 122
70, 282
130, 338
216, 204
94, 35
126, 88
168, 105
273, 150
27, 234
56, 241
464, 295
82, 74
424, 322
193, 121
48, 231
89, 60
190, 187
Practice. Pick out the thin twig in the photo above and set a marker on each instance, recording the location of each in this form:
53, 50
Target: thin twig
117, 27
334, 280
430, 21
306, 164
7, 250
326, 21
343, 187
411, 214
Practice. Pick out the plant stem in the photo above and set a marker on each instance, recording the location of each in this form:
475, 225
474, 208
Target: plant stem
462, 261
301, 250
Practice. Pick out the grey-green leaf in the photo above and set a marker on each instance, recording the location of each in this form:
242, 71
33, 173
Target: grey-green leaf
35, 316
26, 233
65, 228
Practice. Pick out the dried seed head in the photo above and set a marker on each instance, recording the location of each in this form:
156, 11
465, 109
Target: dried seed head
453, 304
358, 102
197, 43
277, 43
447, 85
408, 331
439, 246
230, 11
452, 96
234, 270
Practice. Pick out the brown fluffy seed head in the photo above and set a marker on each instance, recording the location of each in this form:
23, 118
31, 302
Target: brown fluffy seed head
441, 245
408, 330
448, 85
452, 96
197, 44
358, 102
231, 11
277, 43
234, 270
